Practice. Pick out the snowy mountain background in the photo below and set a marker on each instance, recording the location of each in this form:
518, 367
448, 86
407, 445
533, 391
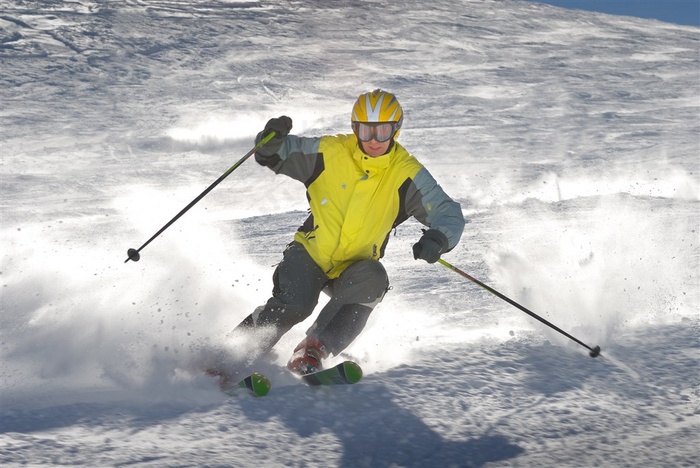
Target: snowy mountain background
570, 138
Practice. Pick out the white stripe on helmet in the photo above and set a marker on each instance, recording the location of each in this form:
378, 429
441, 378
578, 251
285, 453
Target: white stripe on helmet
373, 113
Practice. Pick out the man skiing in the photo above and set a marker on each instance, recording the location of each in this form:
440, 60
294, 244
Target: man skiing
359, 186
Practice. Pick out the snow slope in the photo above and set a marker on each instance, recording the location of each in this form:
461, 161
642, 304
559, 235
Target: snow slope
570, 138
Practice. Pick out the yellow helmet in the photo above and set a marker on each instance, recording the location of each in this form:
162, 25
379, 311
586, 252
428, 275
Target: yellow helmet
378, 106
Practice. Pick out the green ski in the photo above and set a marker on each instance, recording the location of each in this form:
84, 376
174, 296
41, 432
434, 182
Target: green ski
255, 382
346, 372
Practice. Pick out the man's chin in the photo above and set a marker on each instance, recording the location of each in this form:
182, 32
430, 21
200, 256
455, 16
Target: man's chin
373, 152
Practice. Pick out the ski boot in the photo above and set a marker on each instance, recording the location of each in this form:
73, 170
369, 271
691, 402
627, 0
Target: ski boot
307, 357
227, 380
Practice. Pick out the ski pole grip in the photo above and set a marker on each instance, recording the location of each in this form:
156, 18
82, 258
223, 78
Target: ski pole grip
266, 139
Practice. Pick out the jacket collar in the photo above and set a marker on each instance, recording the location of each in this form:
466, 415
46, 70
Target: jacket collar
372, 166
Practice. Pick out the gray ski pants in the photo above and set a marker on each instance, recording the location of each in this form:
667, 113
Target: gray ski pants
298, 283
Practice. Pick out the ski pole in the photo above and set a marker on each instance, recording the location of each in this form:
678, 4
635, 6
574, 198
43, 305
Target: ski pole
594, 352
133, 254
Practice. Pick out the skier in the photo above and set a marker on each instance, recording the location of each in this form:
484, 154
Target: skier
359, 187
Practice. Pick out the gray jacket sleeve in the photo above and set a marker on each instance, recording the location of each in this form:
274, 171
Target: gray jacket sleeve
296, 158
429, 204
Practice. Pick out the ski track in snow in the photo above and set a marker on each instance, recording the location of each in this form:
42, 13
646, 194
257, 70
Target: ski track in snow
569, 137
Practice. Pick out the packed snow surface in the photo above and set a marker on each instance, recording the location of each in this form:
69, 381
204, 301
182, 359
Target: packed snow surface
570, 138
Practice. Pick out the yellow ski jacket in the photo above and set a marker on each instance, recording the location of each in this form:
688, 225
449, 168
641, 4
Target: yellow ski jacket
356, 200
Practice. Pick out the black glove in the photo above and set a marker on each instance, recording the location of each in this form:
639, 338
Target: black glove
281, 126
430, 246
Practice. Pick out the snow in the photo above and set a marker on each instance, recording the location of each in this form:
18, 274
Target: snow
570, 138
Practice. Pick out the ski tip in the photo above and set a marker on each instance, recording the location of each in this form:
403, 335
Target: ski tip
255, 382
260, 385
352, 371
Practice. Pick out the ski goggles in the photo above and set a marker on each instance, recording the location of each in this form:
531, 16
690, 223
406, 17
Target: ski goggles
381, 131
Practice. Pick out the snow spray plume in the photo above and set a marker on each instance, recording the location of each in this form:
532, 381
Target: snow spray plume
594, 352
134, 255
